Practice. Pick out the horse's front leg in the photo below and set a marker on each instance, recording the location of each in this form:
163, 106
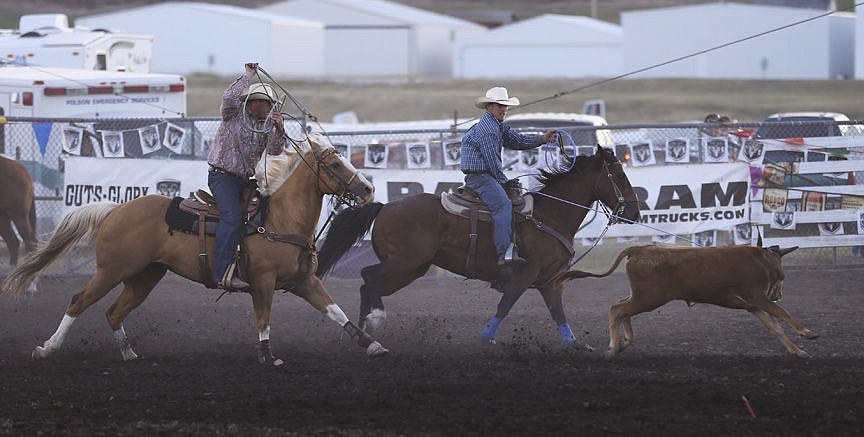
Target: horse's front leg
262, 302
373, 317
312, 290
552, 296
513, 289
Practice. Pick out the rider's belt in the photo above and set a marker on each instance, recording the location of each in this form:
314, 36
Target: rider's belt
474, 171
215, 169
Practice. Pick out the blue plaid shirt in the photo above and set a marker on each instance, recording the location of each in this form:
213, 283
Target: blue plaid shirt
482, 145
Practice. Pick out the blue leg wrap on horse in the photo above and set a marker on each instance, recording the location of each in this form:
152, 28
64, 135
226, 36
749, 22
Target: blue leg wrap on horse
491, 328
567, 335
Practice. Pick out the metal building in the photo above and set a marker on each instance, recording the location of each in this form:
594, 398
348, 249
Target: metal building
818, 49
381, 38
549, 45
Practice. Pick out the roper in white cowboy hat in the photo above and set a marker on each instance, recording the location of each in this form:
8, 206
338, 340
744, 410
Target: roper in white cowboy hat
260, 91
498, 95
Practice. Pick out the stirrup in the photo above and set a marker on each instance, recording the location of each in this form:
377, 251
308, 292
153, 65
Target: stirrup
511, 257
230, 281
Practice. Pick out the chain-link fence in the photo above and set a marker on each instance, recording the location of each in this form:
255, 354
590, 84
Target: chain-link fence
815, 165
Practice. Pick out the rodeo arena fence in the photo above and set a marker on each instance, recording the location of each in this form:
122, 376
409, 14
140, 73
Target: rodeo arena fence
792, 183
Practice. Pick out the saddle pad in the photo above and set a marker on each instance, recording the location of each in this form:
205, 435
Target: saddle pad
184, 221
455, 204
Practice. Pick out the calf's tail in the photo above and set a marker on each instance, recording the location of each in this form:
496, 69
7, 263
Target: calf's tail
576, 274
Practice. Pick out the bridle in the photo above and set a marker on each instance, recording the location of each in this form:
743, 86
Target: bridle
345, 197
618, 212
616, 216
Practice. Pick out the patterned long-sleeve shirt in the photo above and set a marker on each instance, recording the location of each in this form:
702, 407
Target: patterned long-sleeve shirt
482, 145
237, 149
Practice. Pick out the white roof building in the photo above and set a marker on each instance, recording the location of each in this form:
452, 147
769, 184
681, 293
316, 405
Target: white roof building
381, 38
817, 49
195, 37
549, 45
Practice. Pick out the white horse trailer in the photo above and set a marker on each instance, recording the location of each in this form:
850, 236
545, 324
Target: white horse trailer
46, 40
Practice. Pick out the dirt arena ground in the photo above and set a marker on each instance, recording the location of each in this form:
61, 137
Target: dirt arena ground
687, 372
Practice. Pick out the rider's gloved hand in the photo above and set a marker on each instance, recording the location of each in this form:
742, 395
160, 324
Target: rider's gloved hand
513, 185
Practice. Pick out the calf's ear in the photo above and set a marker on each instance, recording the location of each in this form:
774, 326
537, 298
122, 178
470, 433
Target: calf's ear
787, 250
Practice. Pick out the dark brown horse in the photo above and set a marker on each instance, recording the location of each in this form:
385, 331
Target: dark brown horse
134, 245
17, 207
415, 232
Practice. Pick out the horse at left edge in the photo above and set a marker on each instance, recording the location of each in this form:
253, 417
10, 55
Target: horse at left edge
135, 246
18, 207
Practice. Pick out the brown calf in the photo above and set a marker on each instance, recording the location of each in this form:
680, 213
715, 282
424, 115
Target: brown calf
739, 277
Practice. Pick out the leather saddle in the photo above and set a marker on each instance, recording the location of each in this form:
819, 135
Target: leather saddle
202, 206
202, 202
464, 202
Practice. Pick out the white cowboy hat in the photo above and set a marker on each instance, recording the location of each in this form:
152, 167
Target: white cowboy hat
498, 95
260, 91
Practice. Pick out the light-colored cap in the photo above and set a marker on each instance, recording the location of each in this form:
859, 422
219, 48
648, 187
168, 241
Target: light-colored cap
260, 91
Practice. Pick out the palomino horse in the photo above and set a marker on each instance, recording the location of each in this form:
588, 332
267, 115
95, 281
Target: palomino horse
16, 206
135, 246
415, 232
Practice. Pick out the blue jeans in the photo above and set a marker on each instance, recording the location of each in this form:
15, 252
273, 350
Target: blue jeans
496, 199
228, 192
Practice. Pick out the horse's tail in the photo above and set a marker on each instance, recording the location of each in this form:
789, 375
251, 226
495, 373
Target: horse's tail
347, 228
576, 274
82, 221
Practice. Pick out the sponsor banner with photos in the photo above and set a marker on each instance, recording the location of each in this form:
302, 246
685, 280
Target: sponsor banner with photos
684, 199
669, 205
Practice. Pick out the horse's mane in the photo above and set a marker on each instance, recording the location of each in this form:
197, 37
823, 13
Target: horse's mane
565, 168
273, 170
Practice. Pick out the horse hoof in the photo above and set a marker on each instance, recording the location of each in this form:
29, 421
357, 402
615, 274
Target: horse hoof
610, 354
376, 350
810, 335
274, 362
488, 342
129, 355
375, 321
40, 352
578, 346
